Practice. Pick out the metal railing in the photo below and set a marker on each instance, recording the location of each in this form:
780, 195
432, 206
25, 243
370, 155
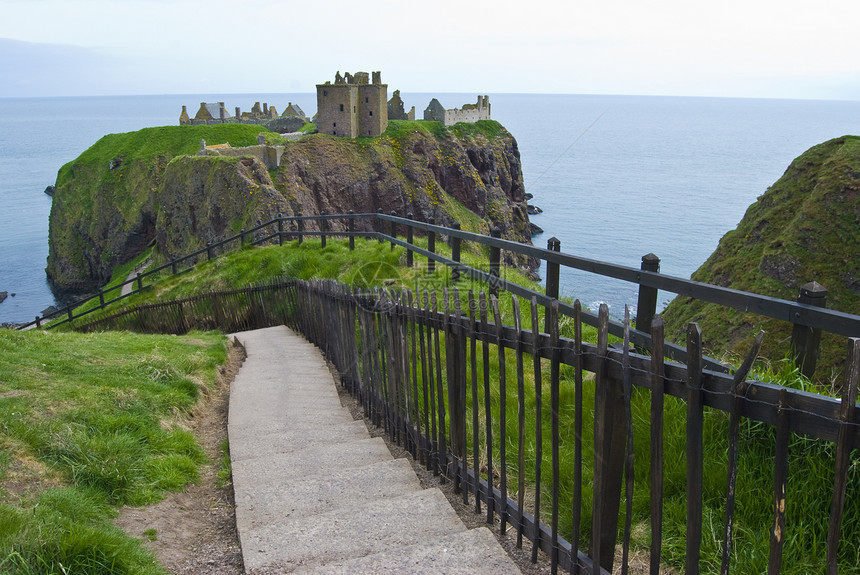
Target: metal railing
807, 315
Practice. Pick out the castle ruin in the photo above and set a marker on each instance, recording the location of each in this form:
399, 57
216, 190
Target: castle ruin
353, 106
216, 113
469, 113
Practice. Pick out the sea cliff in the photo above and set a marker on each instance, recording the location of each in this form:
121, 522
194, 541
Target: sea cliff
156, 185
804, 228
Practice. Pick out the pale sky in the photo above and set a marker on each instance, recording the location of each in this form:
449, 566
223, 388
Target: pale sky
738, 48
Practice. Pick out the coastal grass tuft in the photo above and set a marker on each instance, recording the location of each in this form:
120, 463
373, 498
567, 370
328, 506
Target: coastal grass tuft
92, 422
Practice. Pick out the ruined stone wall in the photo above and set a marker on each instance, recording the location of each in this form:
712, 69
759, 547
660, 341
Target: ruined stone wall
373, 109
470, 113
337, 108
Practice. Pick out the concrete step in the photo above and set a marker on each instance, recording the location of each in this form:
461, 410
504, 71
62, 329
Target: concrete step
376, 526
340, 490
287, 436
473, 552
315, 460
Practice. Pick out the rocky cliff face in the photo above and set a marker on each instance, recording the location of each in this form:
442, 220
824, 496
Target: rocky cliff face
471, 174
804, 228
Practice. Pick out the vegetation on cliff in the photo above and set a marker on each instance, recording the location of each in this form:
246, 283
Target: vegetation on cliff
129, 190
105, 201
805, 228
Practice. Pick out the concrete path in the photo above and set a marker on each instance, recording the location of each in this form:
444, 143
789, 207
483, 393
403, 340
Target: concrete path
315, 494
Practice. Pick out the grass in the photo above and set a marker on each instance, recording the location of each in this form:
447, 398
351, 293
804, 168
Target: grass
93, 422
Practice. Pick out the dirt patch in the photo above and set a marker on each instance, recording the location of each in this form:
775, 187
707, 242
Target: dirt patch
195, 531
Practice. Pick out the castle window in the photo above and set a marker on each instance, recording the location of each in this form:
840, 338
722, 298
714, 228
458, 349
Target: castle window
341, 107
325, 92
366, 100
353, 109
334, 124
371, 112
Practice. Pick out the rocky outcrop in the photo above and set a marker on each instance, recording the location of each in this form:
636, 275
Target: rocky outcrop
181, 202
804, 228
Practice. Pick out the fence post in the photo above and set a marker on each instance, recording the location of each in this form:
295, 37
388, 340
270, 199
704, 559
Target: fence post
380, 224
139, 282
495, 263
208, 251
69, 312
455, 254
431, 246
350, 227
455, 342
409, 238
393, 229
322, 229
242, 237
552, 277
646, 306
280, 229
301, 224
38, 322
101, 298
610, 430
804, 339
173, 266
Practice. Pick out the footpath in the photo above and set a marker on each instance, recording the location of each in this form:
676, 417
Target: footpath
316, 494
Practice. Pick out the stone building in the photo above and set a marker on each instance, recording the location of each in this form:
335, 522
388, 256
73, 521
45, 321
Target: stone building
216, 113
468, 113
396, 110
353, 106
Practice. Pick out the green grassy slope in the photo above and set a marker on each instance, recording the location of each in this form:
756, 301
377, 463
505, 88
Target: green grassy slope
805, 228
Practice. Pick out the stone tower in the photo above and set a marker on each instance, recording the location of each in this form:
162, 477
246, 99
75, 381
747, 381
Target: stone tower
353, 106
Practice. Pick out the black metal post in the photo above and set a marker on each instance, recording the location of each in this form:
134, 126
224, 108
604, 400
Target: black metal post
139, 282
101, 298
393, 229
455, 253
805, 340
323, 227
280, 229
431, 246
351, 227
552, 277
242, 237
380, 224
646, 306
301, 224
208, 251
409, 238
495, 263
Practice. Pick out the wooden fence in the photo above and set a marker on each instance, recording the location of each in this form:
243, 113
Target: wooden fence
422, 368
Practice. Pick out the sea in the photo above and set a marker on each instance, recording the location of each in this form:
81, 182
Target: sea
616, 177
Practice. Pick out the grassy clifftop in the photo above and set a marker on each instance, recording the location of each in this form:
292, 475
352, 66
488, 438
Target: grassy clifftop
804, 228
129, 190
105, 200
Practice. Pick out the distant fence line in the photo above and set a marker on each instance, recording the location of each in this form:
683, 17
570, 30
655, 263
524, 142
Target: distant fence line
808, 314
